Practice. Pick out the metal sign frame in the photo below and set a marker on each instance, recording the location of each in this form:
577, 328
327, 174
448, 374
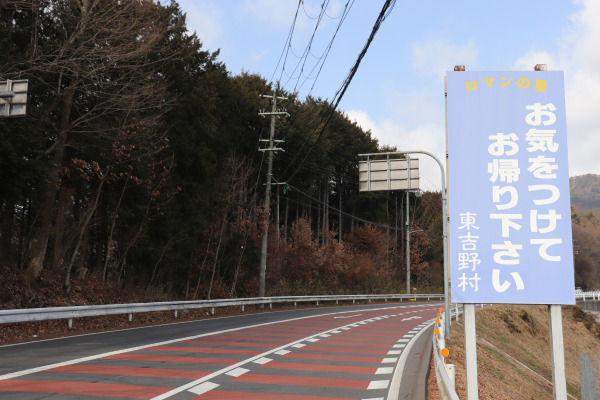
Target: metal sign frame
13, 98
388, 174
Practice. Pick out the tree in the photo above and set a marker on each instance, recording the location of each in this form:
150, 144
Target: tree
95, 71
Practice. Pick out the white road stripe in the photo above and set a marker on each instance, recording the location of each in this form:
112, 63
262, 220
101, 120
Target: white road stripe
234, 372
384, 371
202, 383
204, 387
378, 385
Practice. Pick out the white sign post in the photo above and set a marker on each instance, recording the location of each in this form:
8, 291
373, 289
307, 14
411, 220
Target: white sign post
510, 216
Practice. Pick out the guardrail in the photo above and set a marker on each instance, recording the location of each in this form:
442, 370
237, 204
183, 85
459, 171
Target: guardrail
588, 295
444, 373
51, 313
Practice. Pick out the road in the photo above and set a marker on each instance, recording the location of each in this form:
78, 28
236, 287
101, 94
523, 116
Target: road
350, 352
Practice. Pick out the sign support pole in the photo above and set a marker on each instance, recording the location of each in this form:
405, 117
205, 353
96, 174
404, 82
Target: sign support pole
557, 350
407, 243
444, 226
471, 352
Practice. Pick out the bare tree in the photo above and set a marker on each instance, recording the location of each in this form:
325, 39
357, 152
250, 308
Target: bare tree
96, 68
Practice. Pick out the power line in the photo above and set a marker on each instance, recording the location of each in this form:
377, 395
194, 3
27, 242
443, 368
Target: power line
345, 213
386, 9
309, 45
321, 60
287, 44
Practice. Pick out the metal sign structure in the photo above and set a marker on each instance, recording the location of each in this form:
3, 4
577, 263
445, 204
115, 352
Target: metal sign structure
13, 98
388, 174
510, 217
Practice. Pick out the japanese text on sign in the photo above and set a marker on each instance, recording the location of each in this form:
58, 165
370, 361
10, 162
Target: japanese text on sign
510, 212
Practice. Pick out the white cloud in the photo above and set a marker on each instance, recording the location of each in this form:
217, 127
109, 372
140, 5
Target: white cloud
270, 13
206, 20
580, 55
436, 56
532, 58
429, 136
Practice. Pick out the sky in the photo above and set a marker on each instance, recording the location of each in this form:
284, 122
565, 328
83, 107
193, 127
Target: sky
398, 91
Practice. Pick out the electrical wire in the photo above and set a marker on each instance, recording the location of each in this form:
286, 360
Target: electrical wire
345, 213
385, 11
287, 44
309, 45
325, 54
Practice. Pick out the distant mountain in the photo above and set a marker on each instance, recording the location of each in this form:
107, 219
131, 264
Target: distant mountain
585, 191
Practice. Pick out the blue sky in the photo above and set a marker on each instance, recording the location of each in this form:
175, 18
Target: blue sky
398, 91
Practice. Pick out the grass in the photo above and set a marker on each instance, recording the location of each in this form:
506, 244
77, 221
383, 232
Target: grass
522, 332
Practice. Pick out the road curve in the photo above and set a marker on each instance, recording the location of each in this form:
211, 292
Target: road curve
350, 352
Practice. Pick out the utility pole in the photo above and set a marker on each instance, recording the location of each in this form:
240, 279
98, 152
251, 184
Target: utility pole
271, 149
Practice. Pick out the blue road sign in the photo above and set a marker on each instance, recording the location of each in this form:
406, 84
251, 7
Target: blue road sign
510, 213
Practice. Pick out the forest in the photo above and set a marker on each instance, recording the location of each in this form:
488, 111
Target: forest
138, 166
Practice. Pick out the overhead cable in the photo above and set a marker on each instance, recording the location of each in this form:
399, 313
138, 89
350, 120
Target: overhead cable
386, 9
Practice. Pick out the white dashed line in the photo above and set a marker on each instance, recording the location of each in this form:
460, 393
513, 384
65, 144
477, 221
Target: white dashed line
378, 385
203, 387
237, 372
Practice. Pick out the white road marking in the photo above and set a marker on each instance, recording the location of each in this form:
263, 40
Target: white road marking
204, 387
378, 385
348, 316
234, 372
384, 371
203, 383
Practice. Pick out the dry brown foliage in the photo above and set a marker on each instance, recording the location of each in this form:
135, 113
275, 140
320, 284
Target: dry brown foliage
513, 352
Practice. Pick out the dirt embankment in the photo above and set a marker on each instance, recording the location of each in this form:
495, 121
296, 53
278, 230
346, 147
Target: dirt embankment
513, 352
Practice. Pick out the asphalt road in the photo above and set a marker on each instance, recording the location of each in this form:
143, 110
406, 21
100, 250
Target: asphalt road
350, 352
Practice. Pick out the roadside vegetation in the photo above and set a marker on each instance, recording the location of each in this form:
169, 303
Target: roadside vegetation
513, 352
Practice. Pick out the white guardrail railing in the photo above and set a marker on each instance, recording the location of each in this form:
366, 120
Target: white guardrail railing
444, 373
588, 295
51, 313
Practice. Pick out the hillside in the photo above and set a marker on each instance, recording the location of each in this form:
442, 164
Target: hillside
585, 192
507, 333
